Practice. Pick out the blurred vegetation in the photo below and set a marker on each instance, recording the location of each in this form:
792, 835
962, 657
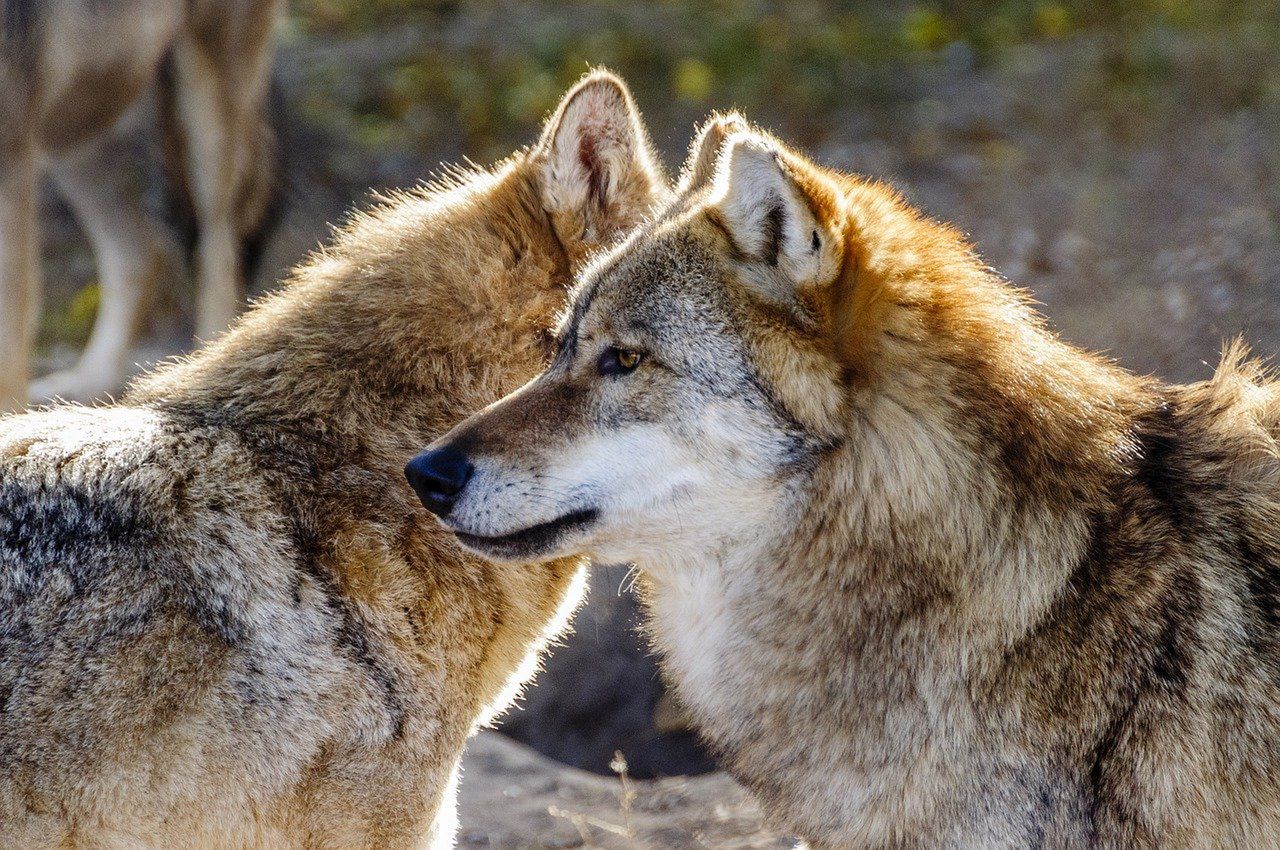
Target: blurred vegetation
69, 320
486, 72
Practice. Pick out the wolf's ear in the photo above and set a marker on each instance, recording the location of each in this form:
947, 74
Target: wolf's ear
599, 174
704, 150
779, 210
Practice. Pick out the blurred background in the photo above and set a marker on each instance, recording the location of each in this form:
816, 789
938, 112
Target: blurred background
1119, 159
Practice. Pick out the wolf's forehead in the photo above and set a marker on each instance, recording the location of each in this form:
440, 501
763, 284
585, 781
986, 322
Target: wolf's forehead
673, 265
642, 283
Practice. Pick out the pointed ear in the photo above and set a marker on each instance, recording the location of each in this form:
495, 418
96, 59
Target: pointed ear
780, 210
599, 174
704, 150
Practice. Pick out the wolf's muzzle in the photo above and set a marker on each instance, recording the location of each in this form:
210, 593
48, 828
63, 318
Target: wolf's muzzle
438, 477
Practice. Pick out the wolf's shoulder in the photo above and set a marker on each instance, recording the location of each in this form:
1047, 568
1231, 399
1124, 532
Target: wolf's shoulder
103, 472
88, 495
76, 474
147, 563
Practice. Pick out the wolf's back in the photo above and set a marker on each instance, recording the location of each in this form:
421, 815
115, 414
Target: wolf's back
156, 635
87, 567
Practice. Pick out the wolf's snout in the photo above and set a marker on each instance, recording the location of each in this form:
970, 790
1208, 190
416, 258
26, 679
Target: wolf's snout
438, 476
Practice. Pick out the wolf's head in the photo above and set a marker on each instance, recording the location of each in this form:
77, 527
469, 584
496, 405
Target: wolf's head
671, 405
776, 314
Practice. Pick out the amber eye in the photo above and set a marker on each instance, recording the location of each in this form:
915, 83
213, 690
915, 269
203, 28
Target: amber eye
618, 361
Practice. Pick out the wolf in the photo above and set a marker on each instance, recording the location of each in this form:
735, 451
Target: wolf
924, 574
70, 70
225, 619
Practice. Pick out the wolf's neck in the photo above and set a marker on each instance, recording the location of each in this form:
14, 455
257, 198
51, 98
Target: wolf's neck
918, 551
945, 565
700, 600
374, 350
950, 522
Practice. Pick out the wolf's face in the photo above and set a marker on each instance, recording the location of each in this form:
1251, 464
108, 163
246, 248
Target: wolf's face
693, 383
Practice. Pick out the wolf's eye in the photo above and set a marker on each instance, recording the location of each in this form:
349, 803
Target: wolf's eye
618, 361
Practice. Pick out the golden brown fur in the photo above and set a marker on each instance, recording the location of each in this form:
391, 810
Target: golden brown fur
925, 575
224, 619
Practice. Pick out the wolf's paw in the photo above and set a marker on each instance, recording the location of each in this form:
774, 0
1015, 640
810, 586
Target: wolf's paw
82, 384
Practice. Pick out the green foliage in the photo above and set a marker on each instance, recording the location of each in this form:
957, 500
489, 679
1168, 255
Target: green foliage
485, 72
70, 321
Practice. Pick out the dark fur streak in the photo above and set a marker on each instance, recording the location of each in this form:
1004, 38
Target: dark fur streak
1171, 646
1042, 816
350, 632
773, 222
1175, 649
215, 614
45, 523
1098, 802
1262, 587
733, 249
590, 160
802, 449
90, 538
569, 340
1159, 467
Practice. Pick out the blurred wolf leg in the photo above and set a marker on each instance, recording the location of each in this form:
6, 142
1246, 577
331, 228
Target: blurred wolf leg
19, 276
221, 79
131, 260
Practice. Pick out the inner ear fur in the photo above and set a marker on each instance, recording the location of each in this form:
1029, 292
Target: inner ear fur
705, 148
781, 211
599, 174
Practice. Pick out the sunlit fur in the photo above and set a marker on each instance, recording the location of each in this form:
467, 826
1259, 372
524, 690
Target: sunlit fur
924, 574
225, 620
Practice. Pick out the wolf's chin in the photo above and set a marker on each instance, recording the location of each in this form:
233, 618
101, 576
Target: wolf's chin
536, 541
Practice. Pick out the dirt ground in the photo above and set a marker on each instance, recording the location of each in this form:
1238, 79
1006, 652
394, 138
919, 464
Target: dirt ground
513, 798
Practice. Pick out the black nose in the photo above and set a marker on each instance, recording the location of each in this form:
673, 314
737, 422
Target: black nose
438, 477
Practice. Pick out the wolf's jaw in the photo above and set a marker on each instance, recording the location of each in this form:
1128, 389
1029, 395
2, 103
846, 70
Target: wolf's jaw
532, 542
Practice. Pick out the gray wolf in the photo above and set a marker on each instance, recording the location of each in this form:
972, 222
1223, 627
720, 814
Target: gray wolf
70, 70
225, 620
923, 573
